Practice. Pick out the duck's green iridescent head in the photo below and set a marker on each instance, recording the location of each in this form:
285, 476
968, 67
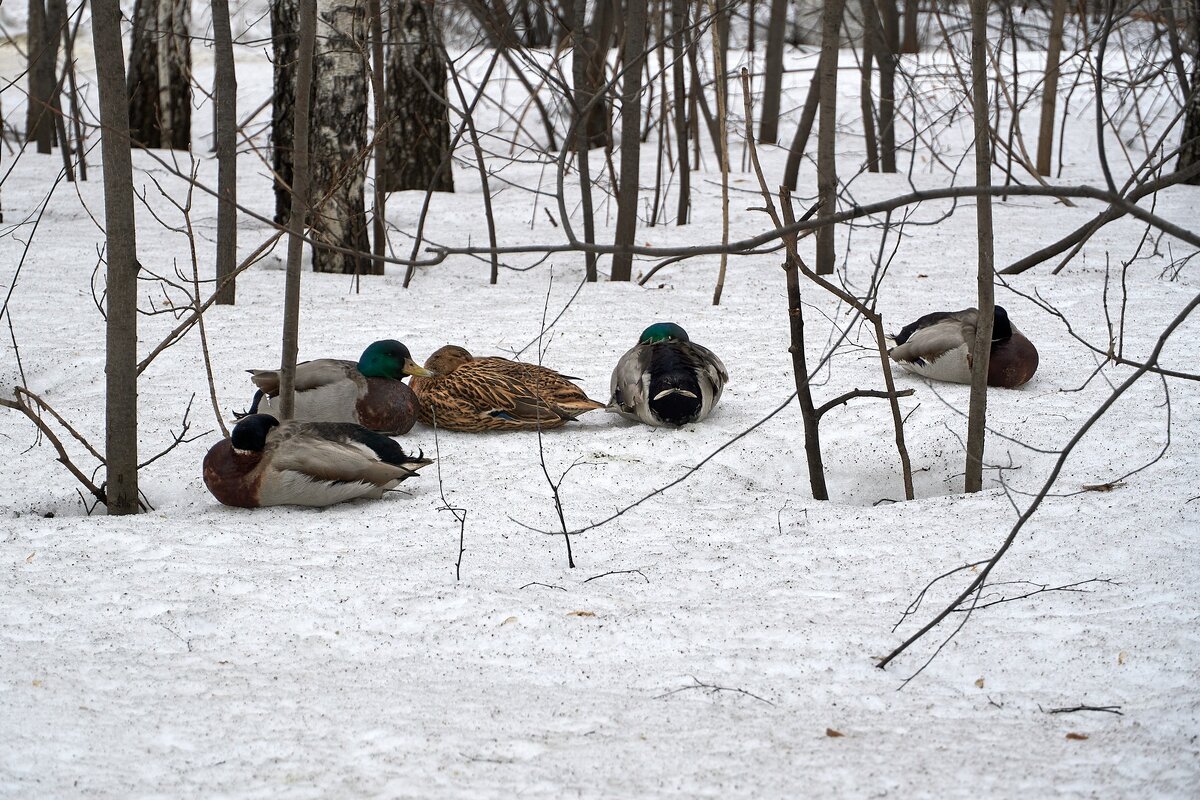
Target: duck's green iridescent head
661, 332
389, 359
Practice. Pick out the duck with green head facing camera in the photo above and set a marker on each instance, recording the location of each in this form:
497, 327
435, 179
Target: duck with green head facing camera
667, 379
369, 392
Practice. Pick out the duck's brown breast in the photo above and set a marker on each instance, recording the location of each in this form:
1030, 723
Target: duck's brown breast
231, 476
388, 407
1013, 362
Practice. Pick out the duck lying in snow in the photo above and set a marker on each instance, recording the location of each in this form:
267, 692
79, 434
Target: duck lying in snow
667, 379
370, 393
269, 463
938, 346
465, 393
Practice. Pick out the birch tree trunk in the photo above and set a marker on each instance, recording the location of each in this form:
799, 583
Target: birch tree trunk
631, 143
225, 91
285, 21
120, 366
160, 72
982, 348
827, 131
338, 140
418, 119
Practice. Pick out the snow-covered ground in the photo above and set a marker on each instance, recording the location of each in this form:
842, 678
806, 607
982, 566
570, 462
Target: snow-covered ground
711, 641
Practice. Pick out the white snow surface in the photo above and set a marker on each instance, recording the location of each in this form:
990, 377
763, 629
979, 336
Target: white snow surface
711, 640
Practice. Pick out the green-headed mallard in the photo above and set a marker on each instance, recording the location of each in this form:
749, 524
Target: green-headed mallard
269, 463
370, 393
489, 394
938, 346
667, 379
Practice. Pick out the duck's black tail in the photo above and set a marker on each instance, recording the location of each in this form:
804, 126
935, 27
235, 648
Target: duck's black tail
675, 395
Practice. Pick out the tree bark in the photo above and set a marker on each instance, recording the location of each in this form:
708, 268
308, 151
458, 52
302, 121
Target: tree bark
160, 71
1050, 88
886, 47
305, 46
982, 346
418, 119
911, 43
812, 102
827, 132
595, 43
121, 485
338, 140
579, 62
768, 129
679, 17
633, 62
1189, 145
44, 28
225, 91
285, 19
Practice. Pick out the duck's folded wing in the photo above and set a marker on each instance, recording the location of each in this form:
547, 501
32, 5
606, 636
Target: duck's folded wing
711, 365
309, 375
328, 460
933, 341
626, 385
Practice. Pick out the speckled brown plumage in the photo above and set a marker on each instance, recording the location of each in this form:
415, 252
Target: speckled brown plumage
485, 394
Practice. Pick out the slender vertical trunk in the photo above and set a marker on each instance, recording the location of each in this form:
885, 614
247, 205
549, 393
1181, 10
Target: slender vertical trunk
306, 12
160, 66
44, 26
827, 133
1189, 144
418, 133
679, 17
596, 39
720, 48
911, 43
285, 18
338, 140
379, 147
121, 485
886, 48
982, 346
1050, 88
808, 115
580, 55
866, 87
225, 89
631, 144
768, 131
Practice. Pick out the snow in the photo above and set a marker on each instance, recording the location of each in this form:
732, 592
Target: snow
204, 650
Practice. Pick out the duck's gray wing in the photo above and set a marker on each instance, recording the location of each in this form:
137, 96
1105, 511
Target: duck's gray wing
309, 375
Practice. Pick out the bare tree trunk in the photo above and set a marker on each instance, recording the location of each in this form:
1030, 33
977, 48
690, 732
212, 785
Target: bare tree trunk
768, 131
160, 72
580, 56
305, 12
595, 41
826, 162
338, 140
379, 146
808, 115
911, 43
121, 485
870, 38
44, 27
679, 17
285, 18
1050, 88
225, 91
982, 346
886, 47
631, 144
418, 132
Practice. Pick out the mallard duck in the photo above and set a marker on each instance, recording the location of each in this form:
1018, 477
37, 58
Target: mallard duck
667, 379
465, 393
938, 346
370, 393
266, 462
